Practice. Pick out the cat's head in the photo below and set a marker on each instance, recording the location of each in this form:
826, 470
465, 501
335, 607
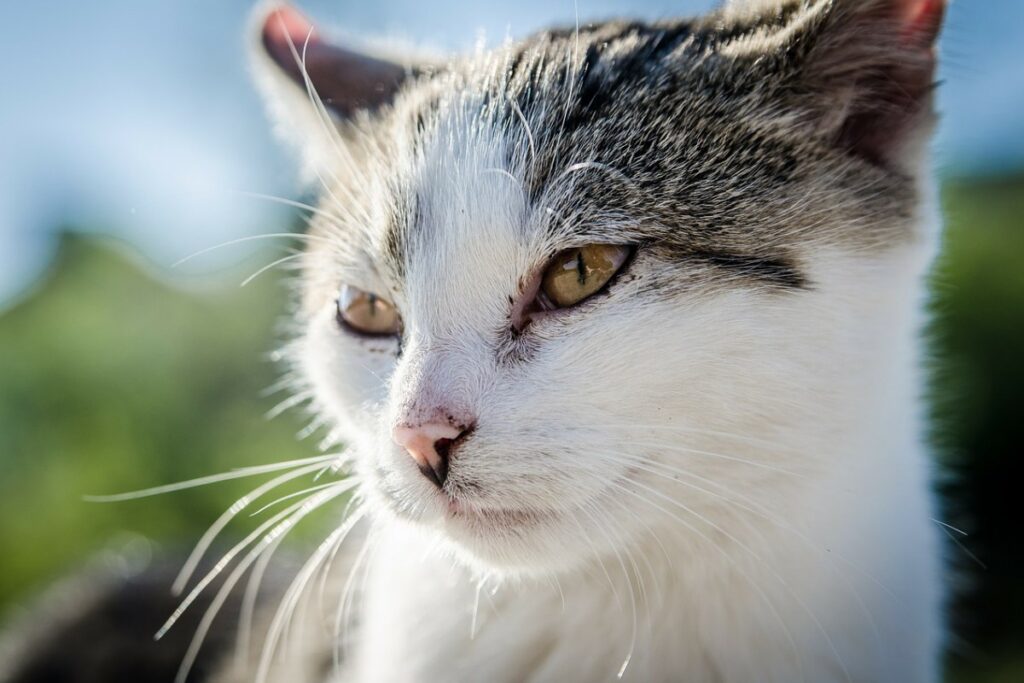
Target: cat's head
562, 294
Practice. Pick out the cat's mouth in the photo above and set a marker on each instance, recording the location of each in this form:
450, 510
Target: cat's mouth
484, 532
459, 510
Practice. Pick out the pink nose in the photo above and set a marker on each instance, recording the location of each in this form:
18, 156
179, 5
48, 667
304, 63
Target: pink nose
428, 444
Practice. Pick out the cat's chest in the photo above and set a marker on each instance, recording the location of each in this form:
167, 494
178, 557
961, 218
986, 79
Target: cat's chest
425, 619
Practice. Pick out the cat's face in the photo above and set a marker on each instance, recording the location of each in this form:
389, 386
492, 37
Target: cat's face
547, 284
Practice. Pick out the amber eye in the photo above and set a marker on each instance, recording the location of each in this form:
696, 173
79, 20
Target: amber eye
367, 313
575, 274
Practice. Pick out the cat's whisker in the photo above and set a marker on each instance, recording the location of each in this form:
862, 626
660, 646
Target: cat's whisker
360, 568
247, 610
334, 467
207, 539
553, 577
322, 116
683, 429
475, 609
662, 447
225, 560
526, 128
270, 541
287, 404
271, 266
571, 60
643, 556
757, 558
721, 456
303, 602
595, 523
950, 527
595, 166
732, 562
959, 544
747, 504
355, 501
827, 555
240, 473
250, 238
268, 530
367, 368
331, 218
659, 450
291, 496
615, 529
333, 135
286, 382
632, 598
286, 609
316, 422
590, 543
505, 174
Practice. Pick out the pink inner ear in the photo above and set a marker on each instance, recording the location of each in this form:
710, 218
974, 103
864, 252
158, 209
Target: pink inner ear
344, 81
921, 21
285, 28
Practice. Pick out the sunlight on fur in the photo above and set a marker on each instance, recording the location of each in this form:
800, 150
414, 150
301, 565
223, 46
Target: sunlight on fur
619, 327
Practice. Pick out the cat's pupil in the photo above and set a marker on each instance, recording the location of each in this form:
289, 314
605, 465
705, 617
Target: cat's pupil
575, 274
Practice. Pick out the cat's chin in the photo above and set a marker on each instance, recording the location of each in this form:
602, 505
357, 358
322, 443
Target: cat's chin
509, 541
523, 542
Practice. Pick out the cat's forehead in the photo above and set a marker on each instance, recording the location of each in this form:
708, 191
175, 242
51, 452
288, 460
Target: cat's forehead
471, 225
621, 132
565, 136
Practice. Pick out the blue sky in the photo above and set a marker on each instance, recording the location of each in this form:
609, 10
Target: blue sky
138, 118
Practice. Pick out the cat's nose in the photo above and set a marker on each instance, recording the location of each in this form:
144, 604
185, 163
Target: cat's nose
428, 444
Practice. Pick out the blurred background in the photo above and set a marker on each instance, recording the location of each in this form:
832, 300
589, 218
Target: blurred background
131, 137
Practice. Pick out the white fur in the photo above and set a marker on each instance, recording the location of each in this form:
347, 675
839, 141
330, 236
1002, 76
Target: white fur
788, 536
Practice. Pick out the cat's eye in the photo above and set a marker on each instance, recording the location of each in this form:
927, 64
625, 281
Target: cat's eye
576, 274
367, 313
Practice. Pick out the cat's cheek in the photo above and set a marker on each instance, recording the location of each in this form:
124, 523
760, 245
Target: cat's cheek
347, 374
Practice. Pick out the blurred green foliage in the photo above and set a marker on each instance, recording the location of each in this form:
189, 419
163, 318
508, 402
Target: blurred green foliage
978, 405
111, 380
114, 381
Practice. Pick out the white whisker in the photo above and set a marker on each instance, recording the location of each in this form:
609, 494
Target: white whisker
207, 539
270, 266
284, 612
757, 558
333, 219
732, 562
247, 611
271, 540
250, 238
290, 496
276, 527
204, 481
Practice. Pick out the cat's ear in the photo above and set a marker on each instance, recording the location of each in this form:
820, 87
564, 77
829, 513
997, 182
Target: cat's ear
312, 85
345, 81
860, 72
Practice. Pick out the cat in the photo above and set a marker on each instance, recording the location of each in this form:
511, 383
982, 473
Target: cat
620, 327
